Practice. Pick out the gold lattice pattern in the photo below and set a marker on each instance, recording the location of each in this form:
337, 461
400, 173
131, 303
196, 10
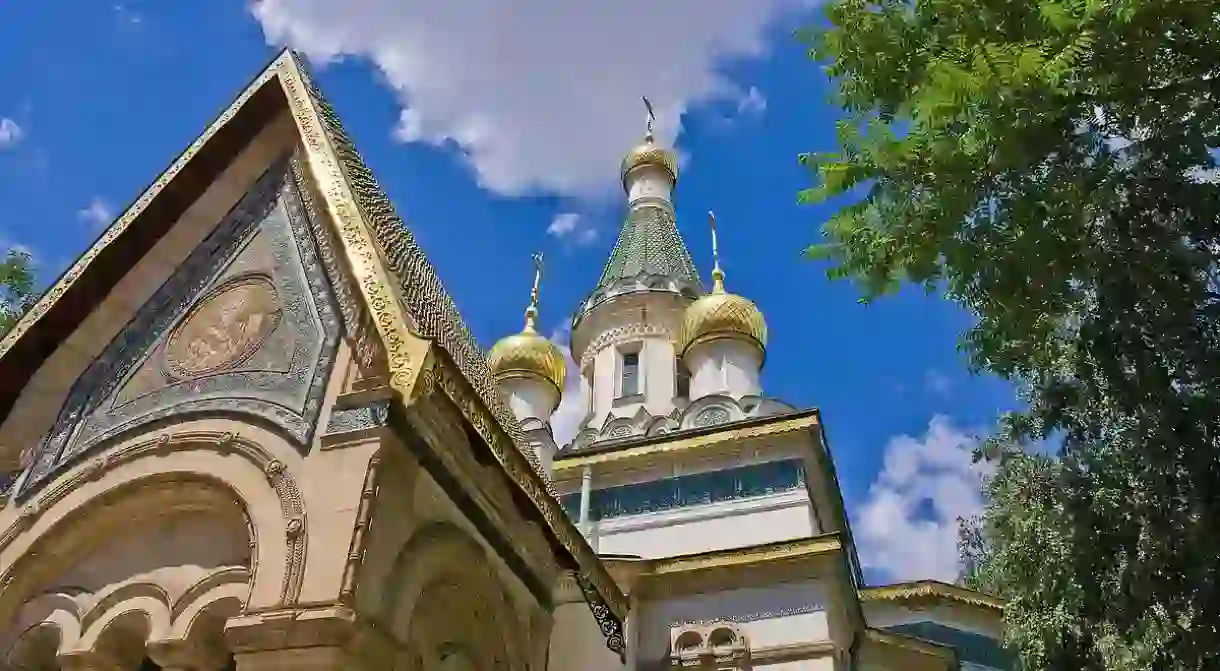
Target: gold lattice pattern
527, 353
722, 315
650, 154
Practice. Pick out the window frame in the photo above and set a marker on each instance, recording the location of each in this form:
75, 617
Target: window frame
624, 351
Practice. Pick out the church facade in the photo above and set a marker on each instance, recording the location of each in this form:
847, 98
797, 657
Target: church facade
248, 429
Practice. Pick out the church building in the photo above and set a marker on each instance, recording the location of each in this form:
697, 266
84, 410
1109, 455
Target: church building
248, 429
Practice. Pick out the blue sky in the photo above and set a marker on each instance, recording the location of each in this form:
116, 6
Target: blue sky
509, 143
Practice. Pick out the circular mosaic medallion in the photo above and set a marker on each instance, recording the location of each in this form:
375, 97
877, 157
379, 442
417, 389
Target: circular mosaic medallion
224, 329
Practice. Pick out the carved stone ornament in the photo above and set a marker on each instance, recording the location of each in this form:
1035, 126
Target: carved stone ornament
712, 416
225, 329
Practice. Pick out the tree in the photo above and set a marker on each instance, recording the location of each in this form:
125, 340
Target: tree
16, 287
1050, 165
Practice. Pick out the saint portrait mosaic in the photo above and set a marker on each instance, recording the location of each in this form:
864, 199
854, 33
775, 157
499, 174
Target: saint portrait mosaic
224, 330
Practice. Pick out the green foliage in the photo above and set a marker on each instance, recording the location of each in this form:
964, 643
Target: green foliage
16, 287
1039, 161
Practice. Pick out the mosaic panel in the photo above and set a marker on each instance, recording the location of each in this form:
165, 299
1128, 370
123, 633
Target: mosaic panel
246, 324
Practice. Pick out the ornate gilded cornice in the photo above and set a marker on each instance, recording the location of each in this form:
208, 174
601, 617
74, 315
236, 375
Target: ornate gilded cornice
931, 591
748, 557
756, 565
685, 442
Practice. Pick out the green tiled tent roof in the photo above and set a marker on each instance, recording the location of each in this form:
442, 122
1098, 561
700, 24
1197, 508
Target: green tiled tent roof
649, 244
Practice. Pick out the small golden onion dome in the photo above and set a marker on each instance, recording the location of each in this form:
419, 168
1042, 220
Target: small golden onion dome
722, 315
649, 153
527, 354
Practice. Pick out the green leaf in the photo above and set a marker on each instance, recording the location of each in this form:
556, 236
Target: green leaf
984, 131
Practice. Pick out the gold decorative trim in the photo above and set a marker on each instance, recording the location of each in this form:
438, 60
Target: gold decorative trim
676, 443
931, 590
751, 556
405, 351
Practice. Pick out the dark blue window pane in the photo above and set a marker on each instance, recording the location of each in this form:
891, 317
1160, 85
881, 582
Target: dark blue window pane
571, 506
692, 490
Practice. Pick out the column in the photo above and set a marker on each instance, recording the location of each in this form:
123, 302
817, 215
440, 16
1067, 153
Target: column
586, 489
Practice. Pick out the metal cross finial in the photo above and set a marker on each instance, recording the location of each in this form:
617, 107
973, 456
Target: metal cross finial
531, 313
538, 266
717, 273
651, 115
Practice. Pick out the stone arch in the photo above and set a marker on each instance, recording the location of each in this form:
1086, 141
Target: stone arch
117, 642
35, 648
47, 618
147, 598
121, 633
443, 594
192, 470
218, 596
196, 633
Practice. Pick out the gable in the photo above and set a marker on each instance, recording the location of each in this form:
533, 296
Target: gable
246, 325
87, 282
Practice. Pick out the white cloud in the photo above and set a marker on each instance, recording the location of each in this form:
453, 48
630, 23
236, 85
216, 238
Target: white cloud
127, 15
572, 408
541, 95
908, 527
10, 133
98, 214
572, 229
937, 382
753, 102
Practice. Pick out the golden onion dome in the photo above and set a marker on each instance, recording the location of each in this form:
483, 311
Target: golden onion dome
722, 315
527, 354
649, 153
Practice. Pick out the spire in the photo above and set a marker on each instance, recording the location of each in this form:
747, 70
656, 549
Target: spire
531, 312
649, 254
649, 243
717, 273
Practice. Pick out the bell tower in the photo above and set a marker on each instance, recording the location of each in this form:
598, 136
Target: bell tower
623, 336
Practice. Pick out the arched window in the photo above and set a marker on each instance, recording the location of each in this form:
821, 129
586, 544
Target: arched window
629, 366
681, 380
